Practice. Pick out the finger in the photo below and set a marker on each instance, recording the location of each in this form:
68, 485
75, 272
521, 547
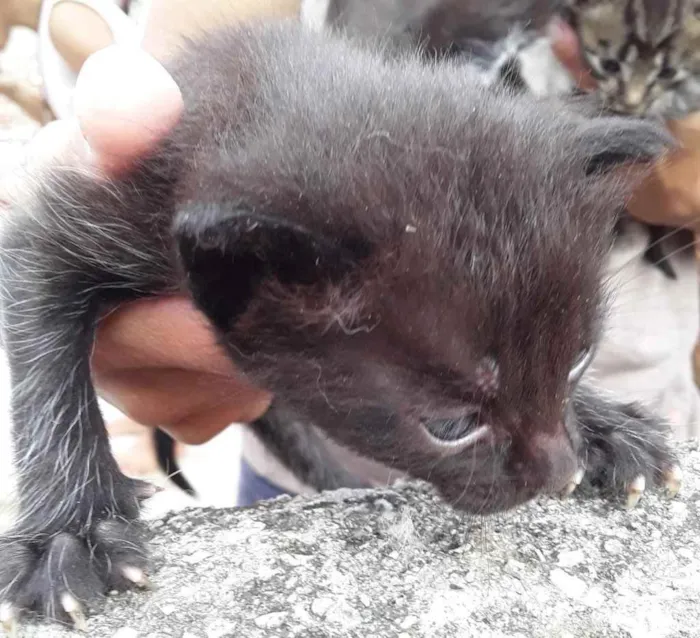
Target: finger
687, 131
59, 142
125, 102
670, 195
565, 45
191, 406
167, 332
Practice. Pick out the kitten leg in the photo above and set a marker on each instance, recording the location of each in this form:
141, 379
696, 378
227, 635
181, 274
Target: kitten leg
624, 449
77, 535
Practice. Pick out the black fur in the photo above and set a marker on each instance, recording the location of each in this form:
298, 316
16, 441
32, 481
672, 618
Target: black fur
164, 446
363, 234
302, 450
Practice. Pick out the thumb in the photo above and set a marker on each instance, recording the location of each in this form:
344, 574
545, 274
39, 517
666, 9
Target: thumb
566, 48
125, 103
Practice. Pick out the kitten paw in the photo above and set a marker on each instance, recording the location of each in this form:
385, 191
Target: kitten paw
8, 619
672, 480
61, 575
626, 456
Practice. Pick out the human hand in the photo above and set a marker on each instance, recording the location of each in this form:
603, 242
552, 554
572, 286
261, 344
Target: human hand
155, 360
670, 195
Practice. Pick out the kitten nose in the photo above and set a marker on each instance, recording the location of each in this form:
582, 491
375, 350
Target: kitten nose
562, 460
551, 462
634, 97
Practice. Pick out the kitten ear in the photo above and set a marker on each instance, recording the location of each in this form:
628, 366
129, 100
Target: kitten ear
609, 142
227, 254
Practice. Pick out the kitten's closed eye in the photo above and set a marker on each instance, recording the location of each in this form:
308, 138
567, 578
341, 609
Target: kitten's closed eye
455, 431
581, 365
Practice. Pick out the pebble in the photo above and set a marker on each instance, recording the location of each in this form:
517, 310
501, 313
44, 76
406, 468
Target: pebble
678, 510
515, 568
220, 629
197, 557
292, 582
271, 620
570, 558
384, 505
569, 585
613, 546
344, 614
320, 606
408, 622
594, 598
126, 632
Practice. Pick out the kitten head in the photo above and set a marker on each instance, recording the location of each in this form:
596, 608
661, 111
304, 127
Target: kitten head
426, 290
637, 50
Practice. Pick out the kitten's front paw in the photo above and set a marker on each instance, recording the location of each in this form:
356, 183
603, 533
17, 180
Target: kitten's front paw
624, 451
59, 576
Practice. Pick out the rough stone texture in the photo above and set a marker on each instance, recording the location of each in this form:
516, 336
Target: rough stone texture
400, 563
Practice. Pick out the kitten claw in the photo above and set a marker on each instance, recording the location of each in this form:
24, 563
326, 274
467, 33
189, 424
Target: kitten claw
136, 576
73, 608
635, 491
8, 619
574, 482
146, 490
672, 481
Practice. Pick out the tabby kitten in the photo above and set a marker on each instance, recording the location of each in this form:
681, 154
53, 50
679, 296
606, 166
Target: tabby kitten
645, 56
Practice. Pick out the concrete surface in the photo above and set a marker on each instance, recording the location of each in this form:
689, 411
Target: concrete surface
401, 564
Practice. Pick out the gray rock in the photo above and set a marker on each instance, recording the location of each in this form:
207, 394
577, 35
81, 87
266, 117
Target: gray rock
400, 563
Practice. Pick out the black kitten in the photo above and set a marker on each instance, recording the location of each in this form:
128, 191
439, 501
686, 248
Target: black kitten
403, 257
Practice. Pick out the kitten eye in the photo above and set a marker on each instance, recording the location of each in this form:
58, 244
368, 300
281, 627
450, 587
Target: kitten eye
667, 73
582, 362
456, 430
610, 66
